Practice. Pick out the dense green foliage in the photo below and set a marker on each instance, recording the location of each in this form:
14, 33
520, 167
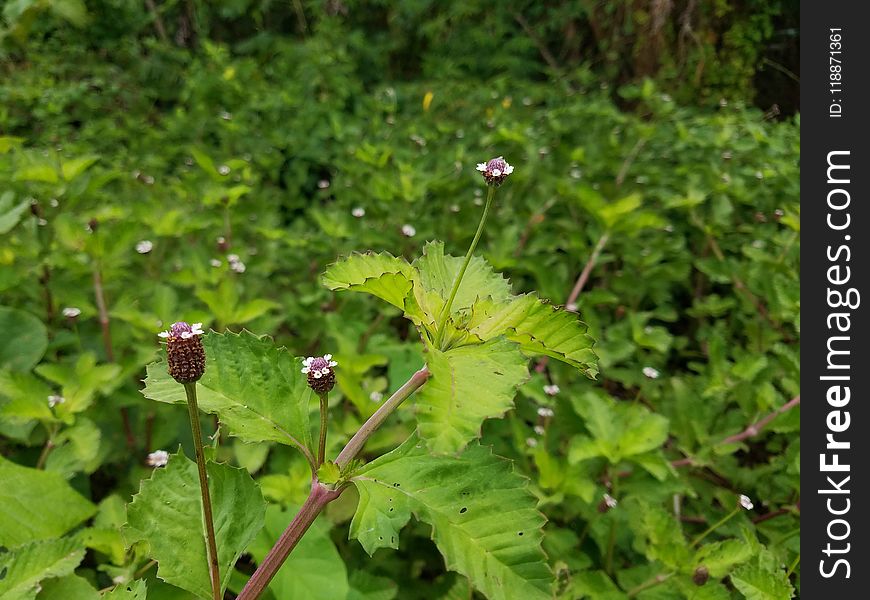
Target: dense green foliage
254, 150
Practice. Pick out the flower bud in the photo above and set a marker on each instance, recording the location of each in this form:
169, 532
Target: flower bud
184, 351
700, 576
495, 171
321, 375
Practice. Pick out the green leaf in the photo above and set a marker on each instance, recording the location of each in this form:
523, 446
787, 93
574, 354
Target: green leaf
619, 430
80, 382
167, 514
24, 567
69, 587
10, 213
465, 499
468, 385
382, 275
539, 328
36, 505
365, 586
657, 534
75, 167
313, 571
76, 449
135, 590
27, 397
256, 388
24, 339
720, 557
438, 272
756, 583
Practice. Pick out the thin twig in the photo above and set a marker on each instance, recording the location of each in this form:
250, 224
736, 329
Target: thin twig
658, 579
542, 48
756, 427
158, 22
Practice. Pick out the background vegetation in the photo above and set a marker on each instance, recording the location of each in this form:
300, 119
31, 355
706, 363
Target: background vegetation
250, 143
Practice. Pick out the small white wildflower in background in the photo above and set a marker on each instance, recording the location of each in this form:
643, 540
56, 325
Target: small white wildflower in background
53, 203
323, 184
215, 263
359, 212
119, 579
376, 396
233, 258
759, 175
757, 244
610, 501
651, 372
531, 442
727, 155
745, 502
409, 230
454, 208
224, 170
551, 390
666, 98
226, 116
545, 412
778, 212
144, 247
54, 400
71, 312
42, 222
158, 458
539, 429
238, 266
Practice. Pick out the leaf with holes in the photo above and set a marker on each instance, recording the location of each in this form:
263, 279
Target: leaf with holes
256, 388
468, 385
539, 328
167, 515
464, 498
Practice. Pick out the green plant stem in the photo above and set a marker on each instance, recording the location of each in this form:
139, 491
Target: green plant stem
317, 500
657, 580
445, 312
793, 566
321, 446
49, 445
715, 526
213, 568
611, 540
359, 439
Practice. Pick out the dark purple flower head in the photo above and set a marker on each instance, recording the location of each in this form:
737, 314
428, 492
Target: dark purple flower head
184, 351
495, 171
321, 375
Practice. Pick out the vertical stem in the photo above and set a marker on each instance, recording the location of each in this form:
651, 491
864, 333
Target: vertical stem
445, 312
102, 310
213, 568
321, 446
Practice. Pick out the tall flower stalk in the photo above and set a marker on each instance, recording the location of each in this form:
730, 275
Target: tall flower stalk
186, 358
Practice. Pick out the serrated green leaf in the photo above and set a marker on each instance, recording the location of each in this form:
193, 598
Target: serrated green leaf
382, 275
595, 585
468, 385
30, 505
660, 537
438, 272
619, 430
256, 388
313, 571
135, 590
720, 557
25, 566
756, 583
463, 498
24, 339
167, 514
539, 328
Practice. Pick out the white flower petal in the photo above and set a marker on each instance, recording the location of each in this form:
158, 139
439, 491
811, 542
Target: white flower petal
327, 357
306, 370
481, 167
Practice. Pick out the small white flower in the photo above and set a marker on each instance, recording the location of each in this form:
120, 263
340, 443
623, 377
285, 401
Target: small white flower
745, 502
376, 397
539, 429
158, 458
318, 366
71, 312
224, 170
609, 501
215, 263
651, 372
545, 412
238, 266
409, 230
359, 212
531, 442
323, 184
144, 247
182, 330
226, 116
119, 579
233, 258
551, 390
54, 400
